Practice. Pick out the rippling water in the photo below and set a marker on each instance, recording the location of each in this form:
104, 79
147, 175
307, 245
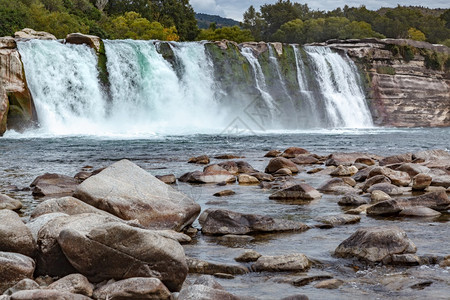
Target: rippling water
25, 156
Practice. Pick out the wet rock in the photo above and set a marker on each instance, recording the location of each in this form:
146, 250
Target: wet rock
245, 167
279, 163
248, 256
82, 176
352, 200
283, 172
421, 181
133, 288
296, 297
14, 235
28, 33
51, 184
47, 295
344, 171
67, 205
345, 159
91, 41
300, 191
224, 193
205, 267
336, 186
432, 155
272, 153
362, 174
167, 179
390, 189
13, 268
202, 160
350, 181
205, 288
293, 152
315, 170
73, 283
329, 284
397, 177
306, 159
445, 263
134, 252
247, 179
419, 211
7, 202
375, 180
376, 244
235, 239
262, 176
228, 156
413, 169
436, 200
221, 222
288, 262
129, 192
230, 166
402, 260
365, 160
174, 235
440, 178
337, 220
378, 196
218, 177
396, 159
23, 285
362, 209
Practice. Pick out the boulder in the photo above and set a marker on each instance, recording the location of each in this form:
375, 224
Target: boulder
296, 297
116, 250
205, 288
235, 239
35, 225
362, 209
419, 211
432, 155
378, 196
208, 177
7, 202
365, 160
421, 181
14, 235
91, 41
293, 152
281, 263
345, 159
228, 156
4, 105
344, 171
390, 189
248, 256
396, 159
375, 180
67, 205
167, 179
129, 192
202, 160
273, 153
329, 284
440, 178
350, 181
224, 193
51, 184
413, 169
133, 288
362, 174
397, 177
28, 33
337, 220
23, 285
73, 283
247, 179
204, 267
245, 167
283, 172
336, 186
375, 244
300, 191
305, 159
13, 268
47, 295
8, 42
279, 163
221, 222
230, 166
262, 176
352, 200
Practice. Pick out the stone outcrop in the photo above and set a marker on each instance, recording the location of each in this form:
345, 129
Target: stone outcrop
28, 33
408, 85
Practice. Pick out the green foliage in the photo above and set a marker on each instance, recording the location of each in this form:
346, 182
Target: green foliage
13, 16
415, 34
407, 52
436, 61
226, 33
386, 70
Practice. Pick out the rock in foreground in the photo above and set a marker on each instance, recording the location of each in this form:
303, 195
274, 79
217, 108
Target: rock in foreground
301, 191
13, 268
14, 235
129, 192
289, 262
376, 244
133, 288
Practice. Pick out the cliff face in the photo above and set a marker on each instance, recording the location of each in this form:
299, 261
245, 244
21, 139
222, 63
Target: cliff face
408, 82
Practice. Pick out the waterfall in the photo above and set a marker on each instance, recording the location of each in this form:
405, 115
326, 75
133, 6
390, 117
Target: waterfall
174, 88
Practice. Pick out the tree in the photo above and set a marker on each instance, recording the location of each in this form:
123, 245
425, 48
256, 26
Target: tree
254, 22
290, 32
233, 33
359, 30
13, 16
415, 34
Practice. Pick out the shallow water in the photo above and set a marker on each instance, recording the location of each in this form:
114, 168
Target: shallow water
25, 156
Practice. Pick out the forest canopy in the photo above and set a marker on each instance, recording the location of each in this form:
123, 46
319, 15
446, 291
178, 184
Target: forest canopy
283, 21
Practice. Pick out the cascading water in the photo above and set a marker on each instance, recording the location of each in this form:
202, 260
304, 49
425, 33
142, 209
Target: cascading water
175, 90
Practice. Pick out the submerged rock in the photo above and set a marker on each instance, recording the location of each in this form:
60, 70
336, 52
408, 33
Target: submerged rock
300, 191
221, 222
288, 262
129, 192
329, 284
352, 200
224, 193
7, 202
133, 288
419, 211
248, 256
14, 235
205, 267
51, 184
375, 244
336, 220
13, 268
202, 160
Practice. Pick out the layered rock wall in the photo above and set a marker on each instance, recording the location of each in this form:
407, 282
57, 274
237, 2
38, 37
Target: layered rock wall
408, 82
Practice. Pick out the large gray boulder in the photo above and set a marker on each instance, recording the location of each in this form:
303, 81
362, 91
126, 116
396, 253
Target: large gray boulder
7, 202
397, 177
278, 163
14, 235
205, 288
288, 262
13, 268
133, 288
119, 251
73, 283
221, 222
205, 267
51, 184
300, 191
129, 192
47, 295
375, 244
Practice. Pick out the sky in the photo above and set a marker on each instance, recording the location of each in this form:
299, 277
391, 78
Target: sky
235, 8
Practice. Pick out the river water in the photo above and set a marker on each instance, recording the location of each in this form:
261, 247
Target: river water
25, 156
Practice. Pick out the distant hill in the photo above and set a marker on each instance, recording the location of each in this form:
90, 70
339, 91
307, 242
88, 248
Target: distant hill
203, 21
435, 12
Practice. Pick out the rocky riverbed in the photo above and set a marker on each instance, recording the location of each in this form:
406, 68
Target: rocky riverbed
284, 223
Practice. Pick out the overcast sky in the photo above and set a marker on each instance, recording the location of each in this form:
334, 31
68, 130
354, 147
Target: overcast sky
235, 8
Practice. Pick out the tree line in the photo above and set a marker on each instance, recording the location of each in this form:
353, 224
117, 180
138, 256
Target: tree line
283, 21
